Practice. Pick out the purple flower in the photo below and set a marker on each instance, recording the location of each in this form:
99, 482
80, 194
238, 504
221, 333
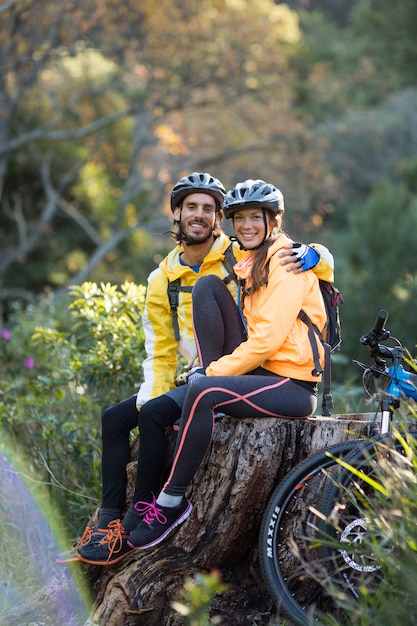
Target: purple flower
29, 363
5, 334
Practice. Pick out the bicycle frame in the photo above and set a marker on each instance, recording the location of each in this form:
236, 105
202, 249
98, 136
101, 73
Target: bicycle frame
401, 384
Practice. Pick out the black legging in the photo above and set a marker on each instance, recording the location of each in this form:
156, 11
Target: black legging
257, 394
117, 422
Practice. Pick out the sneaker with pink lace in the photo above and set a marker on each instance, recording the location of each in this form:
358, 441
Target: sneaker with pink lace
158, 523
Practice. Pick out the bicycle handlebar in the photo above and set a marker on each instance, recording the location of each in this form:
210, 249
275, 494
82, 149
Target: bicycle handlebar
376, 334
401, 382
380, 322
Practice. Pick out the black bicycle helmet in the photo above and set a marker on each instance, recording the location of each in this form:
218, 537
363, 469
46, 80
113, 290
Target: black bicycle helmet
253, 193
195, 182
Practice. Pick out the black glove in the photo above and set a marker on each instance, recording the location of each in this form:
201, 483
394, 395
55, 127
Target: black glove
195, 373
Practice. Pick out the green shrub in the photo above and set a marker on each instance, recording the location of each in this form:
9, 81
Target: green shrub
62, 362
199, 592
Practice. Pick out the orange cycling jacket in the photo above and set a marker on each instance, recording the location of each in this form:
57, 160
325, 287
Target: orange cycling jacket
277, 339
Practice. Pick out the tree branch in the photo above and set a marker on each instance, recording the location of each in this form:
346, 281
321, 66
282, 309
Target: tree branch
59, 135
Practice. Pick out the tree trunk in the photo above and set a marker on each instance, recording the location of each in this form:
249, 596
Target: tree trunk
229, 493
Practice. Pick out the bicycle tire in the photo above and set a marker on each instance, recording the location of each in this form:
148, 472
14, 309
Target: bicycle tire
350, 561
297, 596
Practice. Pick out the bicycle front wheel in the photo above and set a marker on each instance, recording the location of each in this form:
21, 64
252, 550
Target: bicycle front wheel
292, 562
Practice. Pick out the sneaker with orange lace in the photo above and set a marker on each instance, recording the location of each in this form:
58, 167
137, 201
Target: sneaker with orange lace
112, 548
90, 535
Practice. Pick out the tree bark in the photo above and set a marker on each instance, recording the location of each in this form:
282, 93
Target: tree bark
229, 493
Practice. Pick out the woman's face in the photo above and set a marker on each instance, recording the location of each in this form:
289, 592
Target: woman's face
249, 227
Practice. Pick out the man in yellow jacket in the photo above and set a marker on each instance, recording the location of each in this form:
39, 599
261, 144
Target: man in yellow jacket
202, 249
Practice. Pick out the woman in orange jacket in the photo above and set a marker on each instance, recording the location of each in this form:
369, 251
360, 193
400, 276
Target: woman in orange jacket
257, 358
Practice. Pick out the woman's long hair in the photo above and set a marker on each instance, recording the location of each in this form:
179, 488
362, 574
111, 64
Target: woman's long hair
258, 277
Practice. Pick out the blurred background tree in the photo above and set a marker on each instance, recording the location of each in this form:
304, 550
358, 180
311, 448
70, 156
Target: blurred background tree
104, 105
100, 118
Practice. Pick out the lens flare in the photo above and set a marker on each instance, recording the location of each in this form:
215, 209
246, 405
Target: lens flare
33, 587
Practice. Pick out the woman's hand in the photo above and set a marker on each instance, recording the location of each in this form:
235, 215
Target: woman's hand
195, 373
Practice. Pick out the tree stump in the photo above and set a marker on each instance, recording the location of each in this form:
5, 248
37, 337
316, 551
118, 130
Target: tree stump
230, 491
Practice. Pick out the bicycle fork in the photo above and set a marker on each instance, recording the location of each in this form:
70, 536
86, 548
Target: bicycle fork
388, 405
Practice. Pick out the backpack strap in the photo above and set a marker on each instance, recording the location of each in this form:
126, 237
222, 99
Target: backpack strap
327, 398
313, 333
174, 287
229, 261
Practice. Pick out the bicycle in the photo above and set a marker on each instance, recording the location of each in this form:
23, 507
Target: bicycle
301, 554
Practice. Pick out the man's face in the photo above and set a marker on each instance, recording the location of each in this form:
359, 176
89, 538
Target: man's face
197, 217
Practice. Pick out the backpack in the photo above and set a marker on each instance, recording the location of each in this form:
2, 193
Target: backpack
332, 298
174, 287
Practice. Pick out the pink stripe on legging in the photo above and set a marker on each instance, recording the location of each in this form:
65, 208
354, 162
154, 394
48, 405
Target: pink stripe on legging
238, 397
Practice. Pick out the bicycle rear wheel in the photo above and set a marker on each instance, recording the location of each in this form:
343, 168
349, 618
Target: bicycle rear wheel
292, 564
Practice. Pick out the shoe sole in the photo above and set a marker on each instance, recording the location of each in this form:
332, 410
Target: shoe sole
71, 558
109, 561
155, 542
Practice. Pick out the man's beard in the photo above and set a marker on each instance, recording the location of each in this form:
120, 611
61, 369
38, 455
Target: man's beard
196, 238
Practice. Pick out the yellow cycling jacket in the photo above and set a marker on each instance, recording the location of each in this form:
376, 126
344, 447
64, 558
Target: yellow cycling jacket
163, 351
277, 339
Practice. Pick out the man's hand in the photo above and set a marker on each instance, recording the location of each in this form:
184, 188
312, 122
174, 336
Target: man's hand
299, 257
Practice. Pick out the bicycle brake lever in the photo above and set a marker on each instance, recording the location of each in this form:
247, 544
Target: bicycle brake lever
376, 370
360, 364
